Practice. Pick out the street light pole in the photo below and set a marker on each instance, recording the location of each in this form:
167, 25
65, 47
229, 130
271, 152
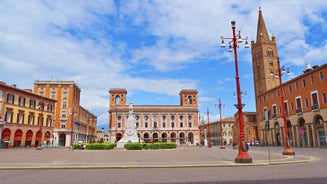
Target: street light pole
243, 156
222, 144
39, 147
287, 150
209, 142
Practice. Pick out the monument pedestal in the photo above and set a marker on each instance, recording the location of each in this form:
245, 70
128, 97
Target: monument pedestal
130, 134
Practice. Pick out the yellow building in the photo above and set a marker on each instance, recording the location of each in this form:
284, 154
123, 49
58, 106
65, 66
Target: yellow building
156, 123
72, 122
26, 119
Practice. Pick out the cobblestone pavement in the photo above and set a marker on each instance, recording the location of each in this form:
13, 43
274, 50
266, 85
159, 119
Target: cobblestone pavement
182, 157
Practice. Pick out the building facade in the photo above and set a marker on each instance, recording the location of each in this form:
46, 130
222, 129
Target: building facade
250, 128
72, 122
26, 119
213, 134
156, 123
304, 103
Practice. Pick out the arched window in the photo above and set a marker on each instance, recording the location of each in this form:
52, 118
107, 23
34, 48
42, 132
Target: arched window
117, 99
189, 100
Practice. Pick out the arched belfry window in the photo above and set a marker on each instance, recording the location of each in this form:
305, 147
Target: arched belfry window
189, 100
117, 99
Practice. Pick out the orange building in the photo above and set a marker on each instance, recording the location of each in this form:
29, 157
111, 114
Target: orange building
305, 100
72, 122
250, 128
156, 123
26, 119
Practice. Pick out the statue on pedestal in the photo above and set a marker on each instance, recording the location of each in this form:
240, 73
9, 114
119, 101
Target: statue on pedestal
130, 134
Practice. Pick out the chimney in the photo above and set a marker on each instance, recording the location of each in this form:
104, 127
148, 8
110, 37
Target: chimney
307, 67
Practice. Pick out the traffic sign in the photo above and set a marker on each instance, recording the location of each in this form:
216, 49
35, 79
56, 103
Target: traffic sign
301, 131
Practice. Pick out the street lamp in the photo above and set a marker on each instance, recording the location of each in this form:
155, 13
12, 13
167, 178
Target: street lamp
287, 150
222, 144
243, 156
41, 107
209, 142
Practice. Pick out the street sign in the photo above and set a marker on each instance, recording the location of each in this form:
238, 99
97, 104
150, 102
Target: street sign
301, 131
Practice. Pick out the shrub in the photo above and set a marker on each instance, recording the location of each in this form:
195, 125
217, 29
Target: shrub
100, 146
168, 145
133, 146
154, 145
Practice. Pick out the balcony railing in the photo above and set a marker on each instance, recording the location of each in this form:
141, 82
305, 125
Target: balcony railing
315, 107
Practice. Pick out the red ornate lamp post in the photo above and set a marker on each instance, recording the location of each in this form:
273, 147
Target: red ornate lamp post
243, 156
209, 142
287, 149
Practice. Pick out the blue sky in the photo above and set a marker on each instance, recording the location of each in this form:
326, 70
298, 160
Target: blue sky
152, 48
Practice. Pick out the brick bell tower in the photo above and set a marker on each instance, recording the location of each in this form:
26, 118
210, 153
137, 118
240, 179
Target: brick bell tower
264, 59
117, 104
189, 97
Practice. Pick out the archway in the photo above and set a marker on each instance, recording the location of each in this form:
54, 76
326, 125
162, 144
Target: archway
18, 138
181, 138
277, 134
164, 137
38, 138
28, 139
289, 132
155, 137
173, 137
146, 137
47, 137
62, 140
190, 138
118, 136
319, 130
6, 137
304, 137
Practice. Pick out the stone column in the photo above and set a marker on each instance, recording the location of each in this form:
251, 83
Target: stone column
314, 136
297, 136
308, 135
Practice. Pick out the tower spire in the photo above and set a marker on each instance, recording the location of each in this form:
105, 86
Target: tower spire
262, 33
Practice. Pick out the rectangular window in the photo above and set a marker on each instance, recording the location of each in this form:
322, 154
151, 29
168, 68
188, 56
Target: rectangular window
306, 101
63, 124
64, 95
290, 88
321, 76
8, 116
298, 105
292, 106
53, 95
315, 103
10, 98
64, 105
41, 93
49, 121
164, 125
181, 124
32, 103
324, 98
274, 115
312, 79
189, 124
304, 83
31, 119
296, 86
286, 108
155, 125
21, 101
146, 125
63, 114
20, 118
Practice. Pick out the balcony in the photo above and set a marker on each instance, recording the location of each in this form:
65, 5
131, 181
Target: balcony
315, 107
299, 111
